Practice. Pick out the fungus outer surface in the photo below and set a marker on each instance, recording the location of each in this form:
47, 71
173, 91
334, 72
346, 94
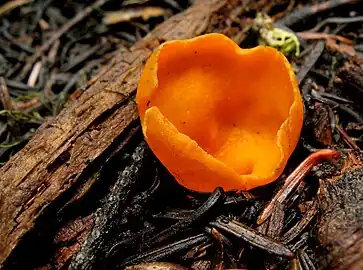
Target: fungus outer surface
218, 115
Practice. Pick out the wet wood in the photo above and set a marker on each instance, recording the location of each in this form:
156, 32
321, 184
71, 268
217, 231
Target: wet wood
63, 148
339, 229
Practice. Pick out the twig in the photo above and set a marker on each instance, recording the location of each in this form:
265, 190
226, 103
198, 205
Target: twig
179, 214
126, 15
333, 96
337, 20
276, 223
214, 201
12, 4
297, 195
173, 4
312, 10
79, 17
347, 139
80, 58
316, 95
305, 260
162, 252
310, 60
299, 227
28, 104
341, 48
17, 44
295, 265
313, 35
303, 239
53, 52
5, 98
19, 85
218, 236
293, 180
34, 74
251, 236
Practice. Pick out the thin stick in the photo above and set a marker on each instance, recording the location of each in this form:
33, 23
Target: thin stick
347, 139
251, 236
12, 4
309, 11
293, 180
313, 35
28, 104
310, 60
337, 20
5, 98
34, 74
301, 225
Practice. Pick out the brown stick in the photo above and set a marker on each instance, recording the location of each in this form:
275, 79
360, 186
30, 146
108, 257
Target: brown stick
5, 99
62, 149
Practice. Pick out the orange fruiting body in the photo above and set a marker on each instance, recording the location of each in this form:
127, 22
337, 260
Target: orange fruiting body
218, 115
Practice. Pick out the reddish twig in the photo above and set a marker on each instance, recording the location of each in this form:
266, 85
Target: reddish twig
7, 102
313, 35
342, 48
5, 98
293, 180
28, 104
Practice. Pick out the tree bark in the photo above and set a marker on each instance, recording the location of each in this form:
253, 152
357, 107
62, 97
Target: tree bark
339, 229
62, 149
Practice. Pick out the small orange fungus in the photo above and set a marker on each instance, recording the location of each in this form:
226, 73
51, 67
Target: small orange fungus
218, 115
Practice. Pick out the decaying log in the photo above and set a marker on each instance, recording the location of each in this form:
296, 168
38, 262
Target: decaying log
64, 148
341, 219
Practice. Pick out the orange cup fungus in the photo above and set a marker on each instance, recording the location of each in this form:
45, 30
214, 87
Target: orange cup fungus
218, 115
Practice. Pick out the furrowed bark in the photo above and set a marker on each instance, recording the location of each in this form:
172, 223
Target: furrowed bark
339, 229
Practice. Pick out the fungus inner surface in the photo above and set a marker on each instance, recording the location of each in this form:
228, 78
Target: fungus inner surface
232, 102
